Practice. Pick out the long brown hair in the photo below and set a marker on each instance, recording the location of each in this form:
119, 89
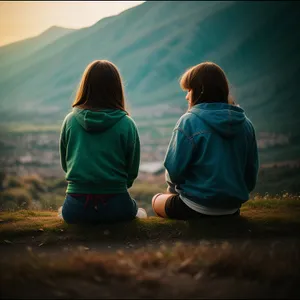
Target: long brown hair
100, 87
208, 83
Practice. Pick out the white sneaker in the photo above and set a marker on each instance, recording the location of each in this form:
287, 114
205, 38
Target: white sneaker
60, 213
141, 213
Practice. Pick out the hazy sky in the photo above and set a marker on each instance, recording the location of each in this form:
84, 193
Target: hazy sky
23, 19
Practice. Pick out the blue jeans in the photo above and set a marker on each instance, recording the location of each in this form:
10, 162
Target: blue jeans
118, 208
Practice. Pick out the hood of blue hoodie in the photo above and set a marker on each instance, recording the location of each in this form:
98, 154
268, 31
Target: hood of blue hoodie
98, 120
227, 120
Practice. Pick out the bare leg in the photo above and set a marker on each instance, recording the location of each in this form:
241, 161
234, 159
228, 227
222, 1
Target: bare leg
159, 204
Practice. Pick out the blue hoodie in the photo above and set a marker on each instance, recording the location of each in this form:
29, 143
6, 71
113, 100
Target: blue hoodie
212, 157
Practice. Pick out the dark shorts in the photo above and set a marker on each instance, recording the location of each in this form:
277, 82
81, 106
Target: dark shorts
176, 209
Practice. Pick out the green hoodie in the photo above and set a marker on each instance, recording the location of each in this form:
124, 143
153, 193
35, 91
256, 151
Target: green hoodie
99, 151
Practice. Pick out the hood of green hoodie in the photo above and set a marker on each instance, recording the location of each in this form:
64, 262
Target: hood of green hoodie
227, 120
98, 120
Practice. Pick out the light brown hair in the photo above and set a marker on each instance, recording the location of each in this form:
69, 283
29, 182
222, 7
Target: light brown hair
208, 83
100, 87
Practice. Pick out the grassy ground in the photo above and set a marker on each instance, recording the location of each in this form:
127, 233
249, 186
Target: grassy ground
259, 218
256, 255
182, 271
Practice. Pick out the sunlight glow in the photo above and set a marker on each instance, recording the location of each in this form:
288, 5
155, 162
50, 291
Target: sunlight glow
22, 19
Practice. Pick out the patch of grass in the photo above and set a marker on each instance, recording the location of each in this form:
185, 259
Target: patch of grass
143, 193
13, 182
277, 180
259, 218
209, 270
55, 184
18, 196
51, 201
35, 182
31, 192
283, 201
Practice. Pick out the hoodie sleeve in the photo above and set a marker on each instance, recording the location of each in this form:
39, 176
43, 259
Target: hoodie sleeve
133, 158
178, 156
252, 165
63, 146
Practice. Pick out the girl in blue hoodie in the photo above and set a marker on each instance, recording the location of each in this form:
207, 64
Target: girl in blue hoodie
212, 159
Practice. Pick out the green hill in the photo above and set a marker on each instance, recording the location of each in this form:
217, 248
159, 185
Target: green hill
257, 44
13, 54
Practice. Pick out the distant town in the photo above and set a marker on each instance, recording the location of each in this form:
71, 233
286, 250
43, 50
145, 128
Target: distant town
25, 153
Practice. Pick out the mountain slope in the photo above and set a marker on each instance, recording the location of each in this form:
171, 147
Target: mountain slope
8, 71
15, 52
256, 43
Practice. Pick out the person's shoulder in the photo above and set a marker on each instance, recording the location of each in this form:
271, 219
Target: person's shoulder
68, 119
250, 127
249, 122
69, 116
186, 120
130, 121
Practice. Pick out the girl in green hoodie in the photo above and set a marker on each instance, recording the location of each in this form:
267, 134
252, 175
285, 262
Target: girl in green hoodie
99, 150
212, 159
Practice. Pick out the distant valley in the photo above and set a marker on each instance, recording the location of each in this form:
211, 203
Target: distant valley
256, 43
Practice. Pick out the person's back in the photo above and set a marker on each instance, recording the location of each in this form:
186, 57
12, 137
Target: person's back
212, 160
99, 150
222, 139
103, 151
